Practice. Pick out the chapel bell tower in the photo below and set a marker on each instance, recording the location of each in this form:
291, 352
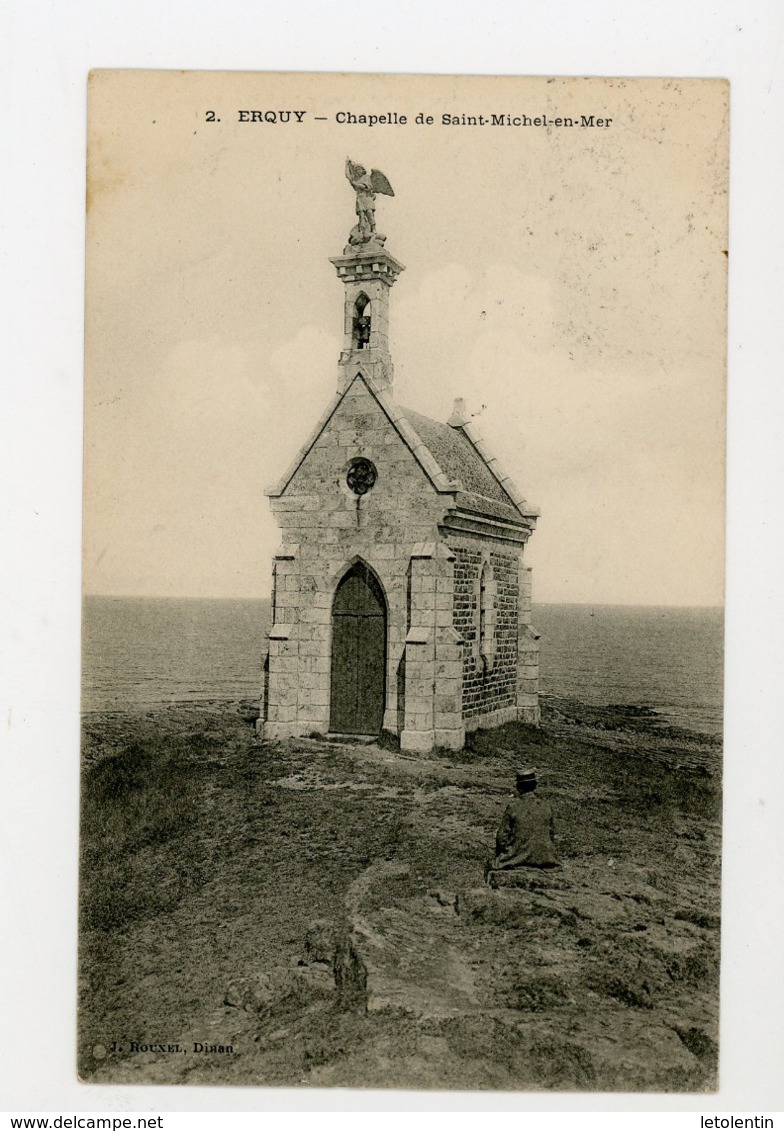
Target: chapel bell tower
367, 276
368, 272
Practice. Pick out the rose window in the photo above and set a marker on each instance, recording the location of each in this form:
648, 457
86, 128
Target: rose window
361, 476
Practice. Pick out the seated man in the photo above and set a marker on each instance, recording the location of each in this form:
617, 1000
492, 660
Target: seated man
525, 837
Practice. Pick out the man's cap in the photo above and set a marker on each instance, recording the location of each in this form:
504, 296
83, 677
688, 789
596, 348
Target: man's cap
526, 776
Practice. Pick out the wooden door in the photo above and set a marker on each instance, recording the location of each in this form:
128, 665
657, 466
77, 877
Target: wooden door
359, 644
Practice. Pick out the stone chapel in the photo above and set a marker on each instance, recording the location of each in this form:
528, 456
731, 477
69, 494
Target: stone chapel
401, 601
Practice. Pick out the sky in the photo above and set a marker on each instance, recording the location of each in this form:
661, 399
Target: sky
569, 283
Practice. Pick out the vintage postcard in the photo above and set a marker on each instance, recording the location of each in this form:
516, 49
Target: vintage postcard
403, 581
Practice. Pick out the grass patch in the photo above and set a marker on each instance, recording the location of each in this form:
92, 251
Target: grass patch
537, 994
137, 806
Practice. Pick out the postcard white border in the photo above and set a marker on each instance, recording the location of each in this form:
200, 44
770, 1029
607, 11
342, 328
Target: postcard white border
49, 51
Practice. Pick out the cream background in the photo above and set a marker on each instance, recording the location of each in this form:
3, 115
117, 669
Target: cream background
570, 280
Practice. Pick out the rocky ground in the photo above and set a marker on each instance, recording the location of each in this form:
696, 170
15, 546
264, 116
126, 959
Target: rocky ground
319, 909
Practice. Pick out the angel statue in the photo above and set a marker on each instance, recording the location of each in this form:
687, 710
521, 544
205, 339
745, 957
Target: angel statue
366, 185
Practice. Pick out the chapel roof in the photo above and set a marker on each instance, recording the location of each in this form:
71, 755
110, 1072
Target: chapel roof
457, 457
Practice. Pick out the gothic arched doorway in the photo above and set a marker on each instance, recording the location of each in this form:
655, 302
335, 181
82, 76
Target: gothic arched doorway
359, 647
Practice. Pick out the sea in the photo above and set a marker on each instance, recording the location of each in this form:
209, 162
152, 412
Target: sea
145, 651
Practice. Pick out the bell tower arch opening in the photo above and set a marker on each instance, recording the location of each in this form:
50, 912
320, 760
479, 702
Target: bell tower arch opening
361, 322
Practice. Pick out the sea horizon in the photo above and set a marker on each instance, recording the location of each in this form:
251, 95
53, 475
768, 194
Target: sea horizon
141, 651
586, 604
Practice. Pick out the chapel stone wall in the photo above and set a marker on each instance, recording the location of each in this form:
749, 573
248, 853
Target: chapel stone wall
490, 676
